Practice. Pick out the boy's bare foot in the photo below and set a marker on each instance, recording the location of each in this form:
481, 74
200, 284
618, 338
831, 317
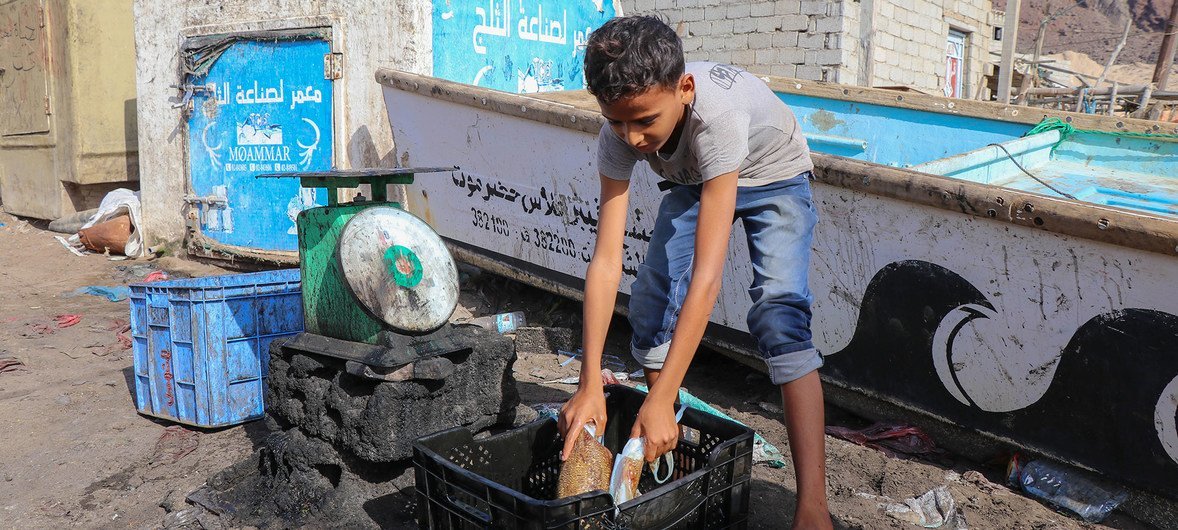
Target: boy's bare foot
812, 518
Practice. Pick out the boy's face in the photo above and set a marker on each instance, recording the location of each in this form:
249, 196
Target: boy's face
648, 120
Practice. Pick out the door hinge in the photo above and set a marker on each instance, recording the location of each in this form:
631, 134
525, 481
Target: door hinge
41, 11
333, 65
187, 91
47, 113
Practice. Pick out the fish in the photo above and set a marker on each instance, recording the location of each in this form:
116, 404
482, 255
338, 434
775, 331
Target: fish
588, 467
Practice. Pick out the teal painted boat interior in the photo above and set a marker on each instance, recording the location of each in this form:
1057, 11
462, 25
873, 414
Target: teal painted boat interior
1138, 174
893, 136
1108, 169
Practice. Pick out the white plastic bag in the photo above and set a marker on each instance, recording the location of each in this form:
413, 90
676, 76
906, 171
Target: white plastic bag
623, 481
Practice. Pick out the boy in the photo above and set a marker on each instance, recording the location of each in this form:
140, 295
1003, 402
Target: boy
730, 149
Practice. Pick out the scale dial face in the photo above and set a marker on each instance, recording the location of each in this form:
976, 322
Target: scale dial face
398, 269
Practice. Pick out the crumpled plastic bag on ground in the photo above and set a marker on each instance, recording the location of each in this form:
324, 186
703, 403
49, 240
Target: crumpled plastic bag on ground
894, 440
587, 468
935, 509
114, 294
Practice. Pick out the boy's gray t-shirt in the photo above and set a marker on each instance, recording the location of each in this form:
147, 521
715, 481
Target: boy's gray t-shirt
736, 123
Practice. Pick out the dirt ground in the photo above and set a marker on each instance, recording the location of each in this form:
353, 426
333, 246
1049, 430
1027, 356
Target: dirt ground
76, 453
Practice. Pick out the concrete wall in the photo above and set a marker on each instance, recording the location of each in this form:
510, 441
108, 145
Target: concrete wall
370, 33
85, 57
864, 42
902, 42
910, 38
792, 38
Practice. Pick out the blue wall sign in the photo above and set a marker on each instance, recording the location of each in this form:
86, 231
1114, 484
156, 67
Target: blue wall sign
268, 109
521, 46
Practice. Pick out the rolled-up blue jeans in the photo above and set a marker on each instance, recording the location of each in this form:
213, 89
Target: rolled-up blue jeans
779, 221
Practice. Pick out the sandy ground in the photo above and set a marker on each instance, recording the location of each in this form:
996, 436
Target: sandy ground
76, 453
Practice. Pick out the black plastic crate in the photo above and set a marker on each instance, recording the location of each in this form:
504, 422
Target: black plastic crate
509, 480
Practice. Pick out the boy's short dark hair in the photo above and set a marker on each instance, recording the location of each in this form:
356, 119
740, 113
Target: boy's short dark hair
627, 56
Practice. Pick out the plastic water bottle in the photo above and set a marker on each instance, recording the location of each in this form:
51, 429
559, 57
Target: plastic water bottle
502, 323
1066, 488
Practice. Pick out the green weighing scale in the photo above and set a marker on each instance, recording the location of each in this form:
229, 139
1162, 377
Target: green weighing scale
378, 284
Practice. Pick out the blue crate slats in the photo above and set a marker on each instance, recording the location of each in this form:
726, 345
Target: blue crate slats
202, 345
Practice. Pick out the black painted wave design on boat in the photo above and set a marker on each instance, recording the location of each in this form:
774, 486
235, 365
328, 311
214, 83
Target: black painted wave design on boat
1104, 407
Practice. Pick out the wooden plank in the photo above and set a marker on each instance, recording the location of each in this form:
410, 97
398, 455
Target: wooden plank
1009, 39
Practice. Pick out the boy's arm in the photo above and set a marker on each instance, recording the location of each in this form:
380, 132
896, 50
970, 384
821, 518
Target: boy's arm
601, 291
717, 206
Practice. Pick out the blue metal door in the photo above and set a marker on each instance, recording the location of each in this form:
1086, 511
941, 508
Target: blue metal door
266, 108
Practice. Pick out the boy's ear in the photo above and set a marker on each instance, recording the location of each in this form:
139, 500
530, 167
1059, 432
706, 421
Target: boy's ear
687, 88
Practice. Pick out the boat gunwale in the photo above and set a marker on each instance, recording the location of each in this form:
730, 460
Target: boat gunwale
965, 107
1116, 226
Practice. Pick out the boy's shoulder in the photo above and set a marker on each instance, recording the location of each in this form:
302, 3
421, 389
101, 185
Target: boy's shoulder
715, 75
722, 88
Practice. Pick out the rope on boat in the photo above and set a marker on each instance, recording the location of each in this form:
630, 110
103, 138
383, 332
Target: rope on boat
1066, 130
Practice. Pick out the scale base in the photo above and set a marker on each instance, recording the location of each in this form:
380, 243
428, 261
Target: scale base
395, 350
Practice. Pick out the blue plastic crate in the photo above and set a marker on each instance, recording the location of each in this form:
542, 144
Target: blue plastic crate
202, 345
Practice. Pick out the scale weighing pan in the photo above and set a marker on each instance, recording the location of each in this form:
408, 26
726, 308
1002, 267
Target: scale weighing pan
398, 269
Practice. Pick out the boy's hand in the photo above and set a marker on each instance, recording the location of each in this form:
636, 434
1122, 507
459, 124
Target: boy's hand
586, 406
656, 423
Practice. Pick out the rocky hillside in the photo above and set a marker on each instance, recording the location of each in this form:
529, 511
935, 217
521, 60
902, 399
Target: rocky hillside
1094, 27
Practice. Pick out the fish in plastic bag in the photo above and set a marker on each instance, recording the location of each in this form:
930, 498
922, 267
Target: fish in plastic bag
587, 468
623, 483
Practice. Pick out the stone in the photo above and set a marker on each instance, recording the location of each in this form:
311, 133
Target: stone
210, 521
63, 400
172, 501
524, 415
316, 394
